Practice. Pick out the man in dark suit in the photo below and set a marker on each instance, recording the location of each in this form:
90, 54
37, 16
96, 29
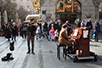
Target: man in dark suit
31, 28
89, 24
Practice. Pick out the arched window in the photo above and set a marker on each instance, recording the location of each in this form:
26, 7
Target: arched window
68, 10
68, 6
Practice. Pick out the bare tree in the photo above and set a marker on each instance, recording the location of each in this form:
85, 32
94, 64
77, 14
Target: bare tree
10, 8
22, 13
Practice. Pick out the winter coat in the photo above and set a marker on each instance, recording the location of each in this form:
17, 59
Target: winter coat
14, 30
45, 28
52, 31
64, 38
8, 32
56, 27
56, 34
51, 25
89, 24
79, 24
97, 28
31, 30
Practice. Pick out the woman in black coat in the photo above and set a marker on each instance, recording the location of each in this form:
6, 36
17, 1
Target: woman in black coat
8, 32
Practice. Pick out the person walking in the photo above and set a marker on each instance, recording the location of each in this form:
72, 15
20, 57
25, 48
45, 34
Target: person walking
37, 31
83, 23
4, 26
8, 32
45, 30
40, 24
23, 30
14, 31
97, 30
31, 28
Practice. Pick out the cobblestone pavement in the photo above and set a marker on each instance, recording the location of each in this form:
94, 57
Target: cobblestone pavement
45, 55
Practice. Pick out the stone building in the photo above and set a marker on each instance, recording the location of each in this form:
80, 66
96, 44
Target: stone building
55, 9
26, 4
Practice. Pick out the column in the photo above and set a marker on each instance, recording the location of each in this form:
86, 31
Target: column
5, 16
16, 17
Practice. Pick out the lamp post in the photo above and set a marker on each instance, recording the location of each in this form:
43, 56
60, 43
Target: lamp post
0, 20
0, 16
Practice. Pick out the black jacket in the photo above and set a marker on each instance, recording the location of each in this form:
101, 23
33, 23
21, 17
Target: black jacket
89, 24
14, 30
31, 30
79, 24
56, 26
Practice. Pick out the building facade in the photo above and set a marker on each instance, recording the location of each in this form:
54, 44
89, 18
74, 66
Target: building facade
26, 4
72, 9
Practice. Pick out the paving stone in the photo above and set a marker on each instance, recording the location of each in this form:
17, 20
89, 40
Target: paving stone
45, 55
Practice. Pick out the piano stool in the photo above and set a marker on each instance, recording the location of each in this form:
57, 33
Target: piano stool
58, 50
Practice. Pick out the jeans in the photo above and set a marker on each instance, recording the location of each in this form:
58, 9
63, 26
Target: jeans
96, 37
91, 34
40, 34
49, 36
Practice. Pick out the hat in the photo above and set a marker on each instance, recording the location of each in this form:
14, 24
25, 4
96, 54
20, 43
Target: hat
64, 26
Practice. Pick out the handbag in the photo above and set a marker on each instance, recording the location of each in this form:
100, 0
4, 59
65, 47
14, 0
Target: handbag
94, 35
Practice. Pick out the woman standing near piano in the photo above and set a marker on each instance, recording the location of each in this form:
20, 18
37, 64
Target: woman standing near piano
97, 30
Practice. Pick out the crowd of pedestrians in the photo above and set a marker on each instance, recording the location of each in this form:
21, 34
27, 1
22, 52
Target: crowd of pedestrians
50, 30
10, 31
93, 30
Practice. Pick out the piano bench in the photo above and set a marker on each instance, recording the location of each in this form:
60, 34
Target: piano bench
58, 50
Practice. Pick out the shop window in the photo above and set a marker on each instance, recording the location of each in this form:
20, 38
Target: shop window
100, 15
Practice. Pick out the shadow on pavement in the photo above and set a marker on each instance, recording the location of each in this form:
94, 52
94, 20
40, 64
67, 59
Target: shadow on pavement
95, 45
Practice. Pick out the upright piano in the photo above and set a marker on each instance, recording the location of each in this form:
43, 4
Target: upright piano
81, 41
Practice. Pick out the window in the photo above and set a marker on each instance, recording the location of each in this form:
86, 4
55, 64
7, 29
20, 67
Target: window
100, 15
14, 1
100, 11
27, 6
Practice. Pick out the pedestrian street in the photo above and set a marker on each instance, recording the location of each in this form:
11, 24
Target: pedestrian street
45, 55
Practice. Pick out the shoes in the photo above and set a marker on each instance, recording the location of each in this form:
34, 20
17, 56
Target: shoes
28, 52
48, 40
33, 53
90, 40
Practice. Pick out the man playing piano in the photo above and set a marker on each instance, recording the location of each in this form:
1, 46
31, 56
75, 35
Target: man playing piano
64, 38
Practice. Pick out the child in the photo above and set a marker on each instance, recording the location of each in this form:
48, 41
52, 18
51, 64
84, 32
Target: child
37, 31
52, 33
56, 35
